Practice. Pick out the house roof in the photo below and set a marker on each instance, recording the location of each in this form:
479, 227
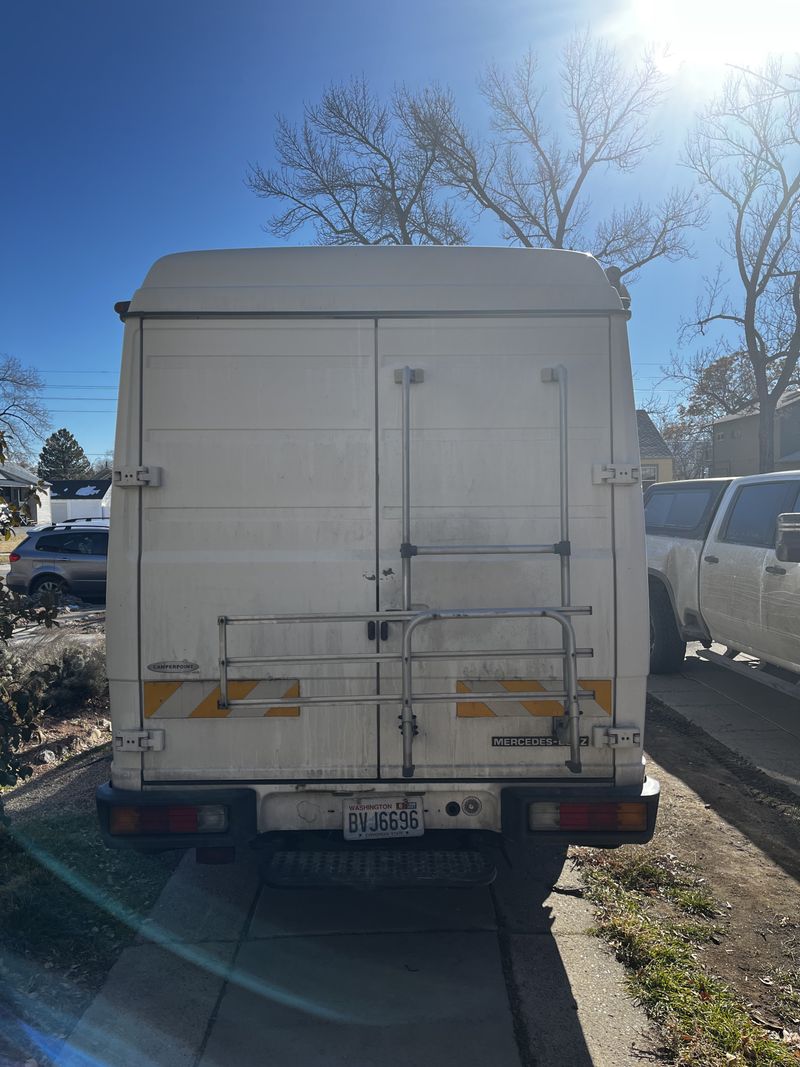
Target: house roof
12, 472
785, 401
651, 444
80, 488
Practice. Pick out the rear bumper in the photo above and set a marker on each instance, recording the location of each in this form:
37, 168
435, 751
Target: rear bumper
513, 823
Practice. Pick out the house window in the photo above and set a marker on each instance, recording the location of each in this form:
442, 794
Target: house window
649, 474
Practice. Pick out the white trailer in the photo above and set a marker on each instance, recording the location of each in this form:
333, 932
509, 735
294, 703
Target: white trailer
377, 565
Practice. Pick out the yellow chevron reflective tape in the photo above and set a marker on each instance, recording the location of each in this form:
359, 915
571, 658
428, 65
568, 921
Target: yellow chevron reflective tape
472, 711
157, 693
292, 691
542, 708
209, 708
601, 687
603, 692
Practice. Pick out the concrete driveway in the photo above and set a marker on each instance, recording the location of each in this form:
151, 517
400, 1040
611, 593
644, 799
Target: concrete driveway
747, 716
228, 972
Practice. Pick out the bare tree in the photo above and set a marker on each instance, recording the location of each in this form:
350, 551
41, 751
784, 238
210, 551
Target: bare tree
103, 466
746, 149
536, 181
355, 171
23, 415
712, 383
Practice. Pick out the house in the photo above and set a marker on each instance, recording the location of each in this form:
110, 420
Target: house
81, 498
654, 452
16, 483
735, 439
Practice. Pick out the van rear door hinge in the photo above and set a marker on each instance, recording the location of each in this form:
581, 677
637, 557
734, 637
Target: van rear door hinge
138, 740
615, 474
616, 737
134, 477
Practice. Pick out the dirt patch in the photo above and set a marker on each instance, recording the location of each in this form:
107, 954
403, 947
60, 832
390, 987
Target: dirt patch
741, 829
69, 757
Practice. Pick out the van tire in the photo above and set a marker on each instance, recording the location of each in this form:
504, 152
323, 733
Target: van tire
667, 648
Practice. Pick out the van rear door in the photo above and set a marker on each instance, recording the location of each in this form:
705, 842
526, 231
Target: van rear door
484, 470
265, 433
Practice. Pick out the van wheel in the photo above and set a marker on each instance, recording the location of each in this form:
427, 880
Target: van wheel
49, 585
667, 649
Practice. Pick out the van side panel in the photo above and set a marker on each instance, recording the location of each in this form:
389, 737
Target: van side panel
122, 590
631, 612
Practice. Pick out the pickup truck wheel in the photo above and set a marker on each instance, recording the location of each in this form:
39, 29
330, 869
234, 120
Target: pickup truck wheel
667, 649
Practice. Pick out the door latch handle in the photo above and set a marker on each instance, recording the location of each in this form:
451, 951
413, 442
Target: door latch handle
775, 570
711, 559
372, 631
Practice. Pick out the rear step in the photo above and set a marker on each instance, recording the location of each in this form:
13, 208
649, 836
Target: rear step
376, 868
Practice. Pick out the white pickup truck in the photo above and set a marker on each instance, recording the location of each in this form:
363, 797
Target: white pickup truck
723, 559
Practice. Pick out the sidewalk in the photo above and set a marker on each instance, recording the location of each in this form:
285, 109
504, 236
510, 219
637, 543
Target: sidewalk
748, 717
232, 973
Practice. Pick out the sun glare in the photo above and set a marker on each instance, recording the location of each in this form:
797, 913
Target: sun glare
708, 35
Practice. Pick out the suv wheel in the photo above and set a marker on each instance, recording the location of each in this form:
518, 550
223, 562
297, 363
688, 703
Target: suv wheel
49, 585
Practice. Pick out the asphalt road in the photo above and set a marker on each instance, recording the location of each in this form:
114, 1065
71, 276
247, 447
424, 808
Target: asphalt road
229, 972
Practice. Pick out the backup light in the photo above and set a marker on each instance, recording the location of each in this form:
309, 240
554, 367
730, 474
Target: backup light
173, 819
588, 817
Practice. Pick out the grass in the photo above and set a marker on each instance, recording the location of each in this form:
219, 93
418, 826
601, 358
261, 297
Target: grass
68, 906
657, 913
61, 885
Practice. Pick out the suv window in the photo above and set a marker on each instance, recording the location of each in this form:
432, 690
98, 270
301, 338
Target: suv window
681, 511
754, 512
75, 543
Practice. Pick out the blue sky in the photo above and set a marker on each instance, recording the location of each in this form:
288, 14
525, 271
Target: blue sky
127, 131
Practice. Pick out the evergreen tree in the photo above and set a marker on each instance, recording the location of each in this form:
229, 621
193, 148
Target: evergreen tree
63, 457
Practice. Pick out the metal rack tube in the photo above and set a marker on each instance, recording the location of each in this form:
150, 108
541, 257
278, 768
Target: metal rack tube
223, 660
484, 550
384, 616
406, 515
563, 435
355, 616
397, 698
388, 657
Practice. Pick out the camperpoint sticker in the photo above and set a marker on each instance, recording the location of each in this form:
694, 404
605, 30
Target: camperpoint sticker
173, 666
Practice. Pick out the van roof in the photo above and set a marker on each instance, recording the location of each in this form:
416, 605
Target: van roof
375, 281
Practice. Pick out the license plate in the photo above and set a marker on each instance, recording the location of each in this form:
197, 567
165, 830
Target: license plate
376, 817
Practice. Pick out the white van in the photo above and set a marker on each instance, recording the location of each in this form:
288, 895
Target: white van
377, 562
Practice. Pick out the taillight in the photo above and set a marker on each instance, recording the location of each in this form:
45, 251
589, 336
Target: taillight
588, 817
13, 557
152, 820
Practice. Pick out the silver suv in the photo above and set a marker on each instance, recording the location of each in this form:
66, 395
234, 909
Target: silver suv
69, 557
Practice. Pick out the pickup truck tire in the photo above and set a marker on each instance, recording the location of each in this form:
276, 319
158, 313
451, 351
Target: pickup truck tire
667, 648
